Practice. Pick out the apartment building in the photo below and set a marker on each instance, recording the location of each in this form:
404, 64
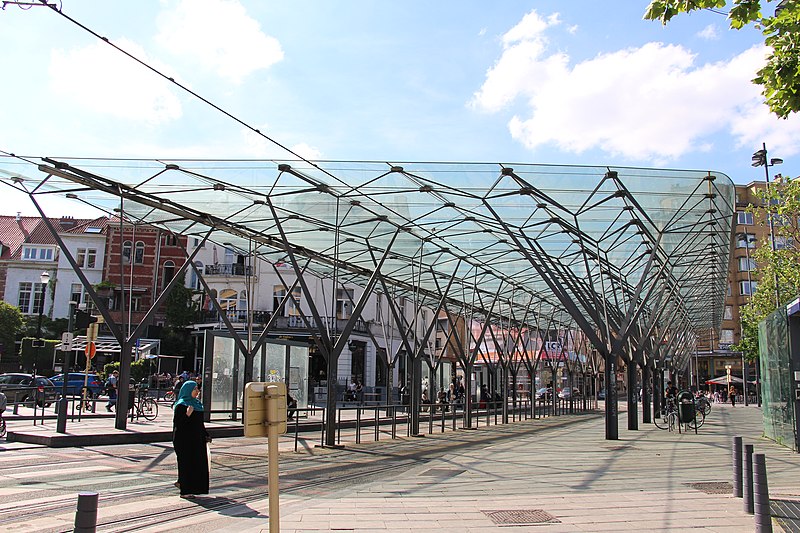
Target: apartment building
715, 354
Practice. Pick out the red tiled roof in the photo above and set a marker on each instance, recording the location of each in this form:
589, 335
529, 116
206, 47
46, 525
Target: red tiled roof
16, 231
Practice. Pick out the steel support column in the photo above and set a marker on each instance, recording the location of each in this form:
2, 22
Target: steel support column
633, 410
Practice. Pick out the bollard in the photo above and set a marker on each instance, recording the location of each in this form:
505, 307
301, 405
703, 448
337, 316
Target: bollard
737, 467
761, 495
747, 478
86, 515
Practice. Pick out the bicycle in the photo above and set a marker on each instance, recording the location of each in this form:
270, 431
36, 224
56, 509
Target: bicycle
169, 396
144, 406
703, 405
668, 417
85, 402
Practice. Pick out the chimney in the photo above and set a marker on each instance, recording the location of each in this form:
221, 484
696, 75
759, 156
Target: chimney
18, 215
67, 222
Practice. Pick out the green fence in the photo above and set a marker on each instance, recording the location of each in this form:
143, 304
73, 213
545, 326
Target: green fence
776, 379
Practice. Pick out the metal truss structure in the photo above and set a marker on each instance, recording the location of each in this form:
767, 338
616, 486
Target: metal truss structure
631, 262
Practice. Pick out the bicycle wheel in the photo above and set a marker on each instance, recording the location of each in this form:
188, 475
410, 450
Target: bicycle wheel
2, 428
705, 407
699, 420
661, 420
169, 396
149, 408
672, 421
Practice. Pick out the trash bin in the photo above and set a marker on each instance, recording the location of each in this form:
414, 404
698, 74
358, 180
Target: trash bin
686, 412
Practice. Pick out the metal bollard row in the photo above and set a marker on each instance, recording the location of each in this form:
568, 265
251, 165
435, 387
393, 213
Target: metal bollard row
750, 484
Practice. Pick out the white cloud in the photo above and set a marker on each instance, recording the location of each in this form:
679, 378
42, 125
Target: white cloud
652, 103
100, 79
709, 33
307, 151
219, 35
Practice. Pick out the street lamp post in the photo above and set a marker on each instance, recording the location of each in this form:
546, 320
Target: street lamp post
44, 278
760, 160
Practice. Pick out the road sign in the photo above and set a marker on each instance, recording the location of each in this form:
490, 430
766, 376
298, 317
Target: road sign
90, 350
66, 341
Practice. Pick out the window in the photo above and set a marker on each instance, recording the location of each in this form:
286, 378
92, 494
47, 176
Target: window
86, 257
169, 272
24, 298
170, 240
730, 290
744, 218
127, 246
30, 298
228, 298
138, 257
746, 264
747, 288
344, 303
294, 306
243, 300
76, 293
34, 253
278, 293
745, 240
195, 279
726, 336
728, 313
783, 242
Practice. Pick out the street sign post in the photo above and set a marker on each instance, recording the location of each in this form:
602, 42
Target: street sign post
265, 415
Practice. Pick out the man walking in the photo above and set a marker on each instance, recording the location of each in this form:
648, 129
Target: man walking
111, 389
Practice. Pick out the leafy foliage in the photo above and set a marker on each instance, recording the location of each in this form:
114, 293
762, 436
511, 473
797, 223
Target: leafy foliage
11, 324
780, 77
180, 306
779, 269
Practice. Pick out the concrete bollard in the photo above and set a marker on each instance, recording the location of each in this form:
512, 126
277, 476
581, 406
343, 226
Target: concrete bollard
86, 515
747, 478
737, 467
761, 495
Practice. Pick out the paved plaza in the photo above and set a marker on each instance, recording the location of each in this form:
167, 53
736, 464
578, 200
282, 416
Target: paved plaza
548, 475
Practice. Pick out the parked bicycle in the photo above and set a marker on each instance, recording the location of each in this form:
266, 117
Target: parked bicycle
668, 417
144, 406
702, 404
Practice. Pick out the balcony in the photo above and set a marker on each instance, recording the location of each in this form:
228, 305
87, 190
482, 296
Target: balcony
228, 270
238, 317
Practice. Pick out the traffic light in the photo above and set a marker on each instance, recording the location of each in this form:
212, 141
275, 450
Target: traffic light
83, 319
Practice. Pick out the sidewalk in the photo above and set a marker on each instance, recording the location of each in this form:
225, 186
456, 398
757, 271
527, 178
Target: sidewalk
557, 474
564, 479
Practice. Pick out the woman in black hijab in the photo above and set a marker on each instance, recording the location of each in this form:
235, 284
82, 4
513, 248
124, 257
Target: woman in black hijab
189, 438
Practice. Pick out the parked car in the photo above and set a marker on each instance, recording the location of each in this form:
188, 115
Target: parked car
567, 393
75, 381
601, 395
20, 388
545, 393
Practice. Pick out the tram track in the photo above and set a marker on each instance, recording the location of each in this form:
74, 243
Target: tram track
241, 477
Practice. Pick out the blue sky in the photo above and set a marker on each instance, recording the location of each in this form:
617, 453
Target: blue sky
580, 82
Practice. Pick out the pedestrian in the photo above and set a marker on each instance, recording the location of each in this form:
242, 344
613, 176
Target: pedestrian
291, 407
111, 389
732, 395
189, 439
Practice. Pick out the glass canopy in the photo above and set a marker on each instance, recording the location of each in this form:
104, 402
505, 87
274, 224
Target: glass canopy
607, 249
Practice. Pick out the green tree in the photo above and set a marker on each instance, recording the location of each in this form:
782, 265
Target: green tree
779, 269
780, 77
180, 306
11, 324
